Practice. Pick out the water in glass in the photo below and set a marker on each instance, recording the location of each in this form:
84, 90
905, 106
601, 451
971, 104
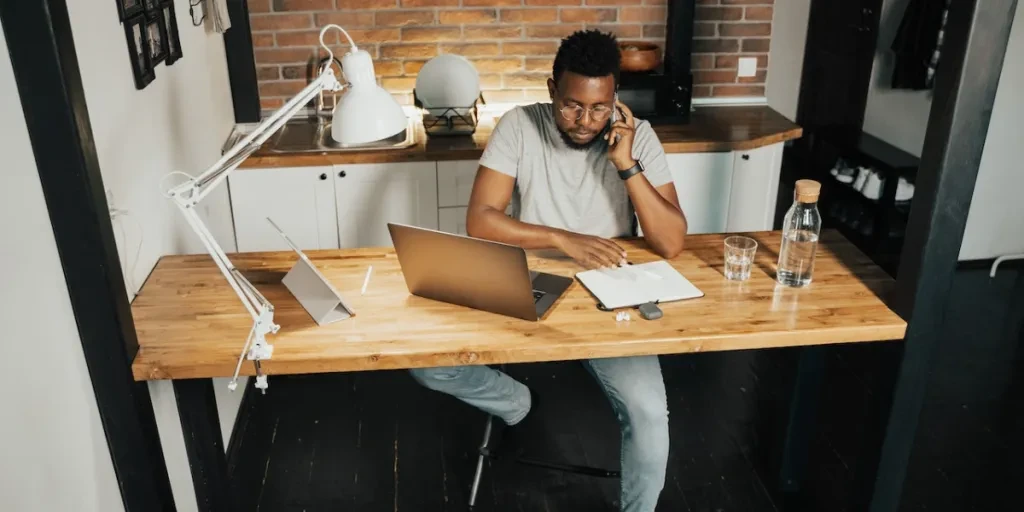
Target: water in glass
737, 266
796, 259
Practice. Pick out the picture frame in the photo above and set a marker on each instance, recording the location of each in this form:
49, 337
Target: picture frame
129, 8
156, 34
138, 50
173, 40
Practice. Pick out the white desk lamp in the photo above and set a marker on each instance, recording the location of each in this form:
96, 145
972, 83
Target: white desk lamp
365, 113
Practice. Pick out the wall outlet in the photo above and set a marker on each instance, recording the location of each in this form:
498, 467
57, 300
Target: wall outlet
747, 67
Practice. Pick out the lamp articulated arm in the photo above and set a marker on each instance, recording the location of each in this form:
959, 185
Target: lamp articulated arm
190, 193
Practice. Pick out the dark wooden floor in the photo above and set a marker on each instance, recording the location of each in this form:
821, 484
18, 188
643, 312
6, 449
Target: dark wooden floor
379, 442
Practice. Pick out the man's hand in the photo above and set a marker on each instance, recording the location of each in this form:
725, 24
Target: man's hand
590, 251
620, 139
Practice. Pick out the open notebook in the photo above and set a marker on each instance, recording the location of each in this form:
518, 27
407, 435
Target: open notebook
632, 285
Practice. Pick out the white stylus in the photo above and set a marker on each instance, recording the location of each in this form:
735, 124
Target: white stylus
366, 281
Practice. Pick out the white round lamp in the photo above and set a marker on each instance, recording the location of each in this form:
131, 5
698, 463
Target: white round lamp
365, 112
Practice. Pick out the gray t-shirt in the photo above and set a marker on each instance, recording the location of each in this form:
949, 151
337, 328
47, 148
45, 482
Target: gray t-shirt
566, 188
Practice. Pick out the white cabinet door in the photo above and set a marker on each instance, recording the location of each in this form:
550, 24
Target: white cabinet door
455, 182
755, 188
703, 181
371, 195
452, 220
299, 199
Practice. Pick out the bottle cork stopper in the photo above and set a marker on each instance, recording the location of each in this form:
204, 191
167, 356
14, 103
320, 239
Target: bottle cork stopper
807, 191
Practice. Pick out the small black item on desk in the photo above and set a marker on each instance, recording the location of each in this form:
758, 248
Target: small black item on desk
650, 311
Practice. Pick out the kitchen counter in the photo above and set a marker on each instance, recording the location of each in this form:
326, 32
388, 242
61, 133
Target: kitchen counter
711, 129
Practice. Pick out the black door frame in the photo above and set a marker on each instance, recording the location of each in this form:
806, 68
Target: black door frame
42, 52
238, 49
964, 94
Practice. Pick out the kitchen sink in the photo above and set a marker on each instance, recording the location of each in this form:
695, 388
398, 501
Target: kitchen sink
314, 136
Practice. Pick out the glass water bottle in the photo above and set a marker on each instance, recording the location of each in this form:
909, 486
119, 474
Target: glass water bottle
800, 232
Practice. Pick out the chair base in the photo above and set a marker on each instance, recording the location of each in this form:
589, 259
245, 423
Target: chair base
485, 453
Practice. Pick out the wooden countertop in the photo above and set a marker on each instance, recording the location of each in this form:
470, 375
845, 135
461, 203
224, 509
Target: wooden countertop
190, 324
710, 129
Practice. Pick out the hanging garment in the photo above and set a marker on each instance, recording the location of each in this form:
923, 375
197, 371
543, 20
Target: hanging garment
918, 44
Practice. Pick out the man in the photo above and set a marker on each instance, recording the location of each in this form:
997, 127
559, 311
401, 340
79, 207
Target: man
578, 178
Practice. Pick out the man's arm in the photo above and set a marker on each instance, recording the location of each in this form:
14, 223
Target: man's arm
485, 218
661, 218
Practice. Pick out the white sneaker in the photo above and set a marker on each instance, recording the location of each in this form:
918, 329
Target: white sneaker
862, 178
904, 190
873, 186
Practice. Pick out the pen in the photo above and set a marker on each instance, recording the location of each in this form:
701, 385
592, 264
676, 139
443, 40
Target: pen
366, 281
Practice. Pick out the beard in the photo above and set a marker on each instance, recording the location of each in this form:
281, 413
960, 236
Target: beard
599, 138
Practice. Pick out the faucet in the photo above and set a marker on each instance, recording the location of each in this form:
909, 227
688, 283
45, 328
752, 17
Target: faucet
321, 110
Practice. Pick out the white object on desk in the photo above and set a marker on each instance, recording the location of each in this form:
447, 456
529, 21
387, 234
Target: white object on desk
313, 291
366, 280
632, 285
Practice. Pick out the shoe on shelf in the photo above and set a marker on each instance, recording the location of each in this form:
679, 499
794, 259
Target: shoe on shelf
873, 186
904, 190
843, 172
862, 178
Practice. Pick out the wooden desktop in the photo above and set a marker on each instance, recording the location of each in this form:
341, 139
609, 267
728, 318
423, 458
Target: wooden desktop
191, 326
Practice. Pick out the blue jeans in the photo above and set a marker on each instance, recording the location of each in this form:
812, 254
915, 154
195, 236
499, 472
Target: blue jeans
633, 385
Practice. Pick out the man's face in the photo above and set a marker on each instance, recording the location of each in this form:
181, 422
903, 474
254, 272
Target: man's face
591, 97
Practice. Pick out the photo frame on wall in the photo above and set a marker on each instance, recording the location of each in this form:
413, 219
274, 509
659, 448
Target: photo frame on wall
128, 8
138, 50
156, 33
173, 40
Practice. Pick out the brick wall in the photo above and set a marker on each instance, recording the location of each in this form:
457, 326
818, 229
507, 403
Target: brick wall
511, 42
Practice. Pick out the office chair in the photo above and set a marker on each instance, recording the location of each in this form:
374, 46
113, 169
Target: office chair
485, 452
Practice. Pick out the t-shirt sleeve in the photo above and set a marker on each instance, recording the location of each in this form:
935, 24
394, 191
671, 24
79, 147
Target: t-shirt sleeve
648, 150
503, 147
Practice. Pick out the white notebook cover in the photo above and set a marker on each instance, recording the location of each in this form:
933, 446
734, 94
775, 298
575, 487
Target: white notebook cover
632, 285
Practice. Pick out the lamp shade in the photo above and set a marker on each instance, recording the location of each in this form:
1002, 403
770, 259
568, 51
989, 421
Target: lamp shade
365, 112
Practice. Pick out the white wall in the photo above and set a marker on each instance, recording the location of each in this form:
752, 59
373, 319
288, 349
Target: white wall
896, 116
177, 123
995, 222
786, 58
54, 454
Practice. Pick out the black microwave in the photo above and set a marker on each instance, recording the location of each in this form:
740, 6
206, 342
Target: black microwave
657, 97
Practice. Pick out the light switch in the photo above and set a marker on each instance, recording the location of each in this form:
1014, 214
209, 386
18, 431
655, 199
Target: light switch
747, 67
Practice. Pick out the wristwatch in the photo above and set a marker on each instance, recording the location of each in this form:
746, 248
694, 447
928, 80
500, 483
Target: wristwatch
628, 173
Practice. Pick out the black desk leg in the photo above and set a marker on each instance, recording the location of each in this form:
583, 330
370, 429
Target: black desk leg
802, 412
197, 407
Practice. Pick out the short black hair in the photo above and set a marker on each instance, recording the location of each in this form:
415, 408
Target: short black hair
589, 53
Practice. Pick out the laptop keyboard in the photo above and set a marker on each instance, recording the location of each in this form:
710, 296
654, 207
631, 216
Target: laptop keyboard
537, 295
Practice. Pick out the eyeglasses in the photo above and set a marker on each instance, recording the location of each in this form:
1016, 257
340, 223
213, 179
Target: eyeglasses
575, 112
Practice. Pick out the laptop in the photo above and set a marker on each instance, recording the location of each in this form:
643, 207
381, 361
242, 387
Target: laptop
475, 273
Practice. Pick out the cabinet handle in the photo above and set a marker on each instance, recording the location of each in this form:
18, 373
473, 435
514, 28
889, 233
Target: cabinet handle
323, 176
342, 174
746, 157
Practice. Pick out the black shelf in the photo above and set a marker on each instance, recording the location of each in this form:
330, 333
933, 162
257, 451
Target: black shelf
876, 226
868, 150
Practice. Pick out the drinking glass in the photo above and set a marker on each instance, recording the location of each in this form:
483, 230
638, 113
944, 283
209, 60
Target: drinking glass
739, 257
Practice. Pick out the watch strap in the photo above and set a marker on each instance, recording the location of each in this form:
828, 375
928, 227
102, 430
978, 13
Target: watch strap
629, 173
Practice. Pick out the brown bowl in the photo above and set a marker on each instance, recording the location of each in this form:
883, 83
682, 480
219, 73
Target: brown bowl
639, 56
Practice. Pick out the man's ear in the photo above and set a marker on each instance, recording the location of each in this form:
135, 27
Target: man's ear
551, 88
